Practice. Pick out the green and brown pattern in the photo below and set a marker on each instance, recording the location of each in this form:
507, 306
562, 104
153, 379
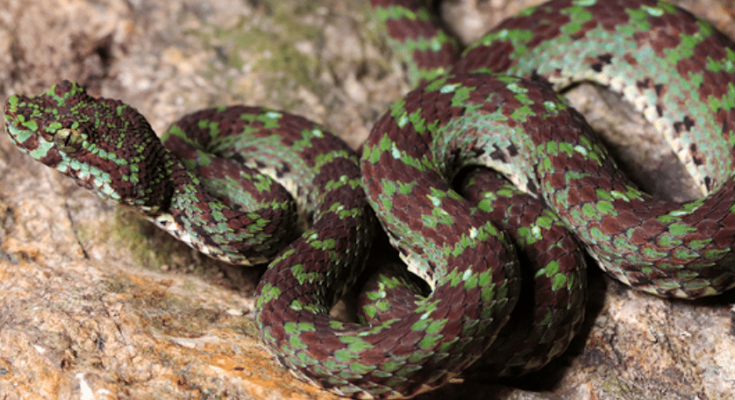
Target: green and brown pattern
523, 130
415, 33
679, 72
507, 278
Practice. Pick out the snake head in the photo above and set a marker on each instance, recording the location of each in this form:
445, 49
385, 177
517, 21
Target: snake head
104, 145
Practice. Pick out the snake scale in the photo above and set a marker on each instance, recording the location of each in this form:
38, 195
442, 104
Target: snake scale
229, 181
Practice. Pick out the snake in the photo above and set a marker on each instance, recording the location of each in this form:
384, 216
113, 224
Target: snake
489, 184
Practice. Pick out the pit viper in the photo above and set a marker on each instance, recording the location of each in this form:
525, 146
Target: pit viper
229, 182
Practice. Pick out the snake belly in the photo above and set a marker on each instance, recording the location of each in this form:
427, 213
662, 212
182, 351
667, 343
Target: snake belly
464, 113
109, 148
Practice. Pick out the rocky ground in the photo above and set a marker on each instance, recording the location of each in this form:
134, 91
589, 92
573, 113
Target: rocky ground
96, 303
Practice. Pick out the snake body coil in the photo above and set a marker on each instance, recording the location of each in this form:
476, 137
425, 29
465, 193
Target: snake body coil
213, 185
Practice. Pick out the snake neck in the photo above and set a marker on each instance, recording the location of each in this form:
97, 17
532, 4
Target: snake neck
161, 175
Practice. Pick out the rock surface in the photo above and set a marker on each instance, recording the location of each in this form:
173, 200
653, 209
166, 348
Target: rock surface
95, 303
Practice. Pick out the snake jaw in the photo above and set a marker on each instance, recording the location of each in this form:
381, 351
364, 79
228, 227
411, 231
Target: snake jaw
103, 144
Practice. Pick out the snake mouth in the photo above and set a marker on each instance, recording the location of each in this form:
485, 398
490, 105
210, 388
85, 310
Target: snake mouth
18, 123
103, 144
52, 147
42, 126
22, 115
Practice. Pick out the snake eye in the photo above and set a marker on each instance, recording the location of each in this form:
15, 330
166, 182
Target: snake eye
68, 140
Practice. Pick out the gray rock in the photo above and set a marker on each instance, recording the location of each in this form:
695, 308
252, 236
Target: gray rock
97, 303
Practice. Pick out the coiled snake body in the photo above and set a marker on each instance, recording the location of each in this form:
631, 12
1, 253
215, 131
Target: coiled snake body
213, 186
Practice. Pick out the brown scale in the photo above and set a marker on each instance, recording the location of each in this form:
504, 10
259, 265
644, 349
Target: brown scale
404, 29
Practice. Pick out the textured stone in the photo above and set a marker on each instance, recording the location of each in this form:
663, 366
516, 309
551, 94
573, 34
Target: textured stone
96, 303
